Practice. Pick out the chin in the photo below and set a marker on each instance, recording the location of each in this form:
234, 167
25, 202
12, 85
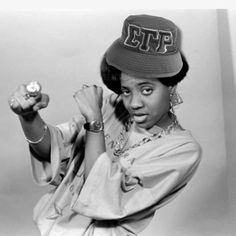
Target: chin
144, 125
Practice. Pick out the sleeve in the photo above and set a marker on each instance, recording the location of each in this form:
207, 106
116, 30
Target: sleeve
115, 191
63, 138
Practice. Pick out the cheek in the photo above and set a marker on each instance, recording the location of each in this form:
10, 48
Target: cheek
125, 103
160, 105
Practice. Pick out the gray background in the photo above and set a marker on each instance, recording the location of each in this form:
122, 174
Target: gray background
63, 49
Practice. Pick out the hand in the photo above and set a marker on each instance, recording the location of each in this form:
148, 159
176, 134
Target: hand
89, 100
25, 105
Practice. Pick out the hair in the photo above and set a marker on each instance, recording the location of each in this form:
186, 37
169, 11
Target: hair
111, 75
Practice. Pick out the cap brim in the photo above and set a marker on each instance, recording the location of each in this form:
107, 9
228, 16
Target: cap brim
141, 64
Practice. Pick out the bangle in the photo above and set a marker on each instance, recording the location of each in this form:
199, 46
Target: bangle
45, 127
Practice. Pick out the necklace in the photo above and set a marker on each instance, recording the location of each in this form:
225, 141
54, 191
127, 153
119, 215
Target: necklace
122, 139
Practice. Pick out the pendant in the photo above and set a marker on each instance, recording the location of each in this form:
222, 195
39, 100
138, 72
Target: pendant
118, 152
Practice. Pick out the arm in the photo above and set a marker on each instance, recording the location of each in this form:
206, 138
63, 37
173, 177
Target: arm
89, 101
50, 148
34, 129
26, 107
94, 147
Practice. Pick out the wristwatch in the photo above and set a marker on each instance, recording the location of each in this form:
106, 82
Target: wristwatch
94, 126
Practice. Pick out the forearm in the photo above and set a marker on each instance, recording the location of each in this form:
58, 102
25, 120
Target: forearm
89, 100
33, 127
95, 146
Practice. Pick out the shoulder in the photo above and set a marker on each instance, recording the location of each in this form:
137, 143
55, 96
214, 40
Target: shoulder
186, 137
177, 147
184, 145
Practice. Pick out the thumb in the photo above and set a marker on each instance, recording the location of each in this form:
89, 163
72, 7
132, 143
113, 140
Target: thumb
43, 103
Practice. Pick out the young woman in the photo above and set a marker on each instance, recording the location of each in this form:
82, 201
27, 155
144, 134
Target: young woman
122, 157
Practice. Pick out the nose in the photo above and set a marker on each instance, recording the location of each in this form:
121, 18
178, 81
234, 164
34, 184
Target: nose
136, 102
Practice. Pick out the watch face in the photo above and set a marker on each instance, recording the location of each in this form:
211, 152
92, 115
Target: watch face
97, 125
94, 126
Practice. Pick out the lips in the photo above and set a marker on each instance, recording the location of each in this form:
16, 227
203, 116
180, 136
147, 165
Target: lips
139, 114
139, 118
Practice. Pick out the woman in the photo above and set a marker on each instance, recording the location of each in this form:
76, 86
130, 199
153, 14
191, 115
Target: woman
123, 157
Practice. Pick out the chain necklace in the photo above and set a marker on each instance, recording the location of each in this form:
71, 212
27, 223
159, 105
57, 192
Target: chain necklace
123, 136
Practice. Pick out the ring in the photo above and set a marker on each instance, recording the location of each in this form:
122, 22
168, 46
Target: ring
26, 96
33, 88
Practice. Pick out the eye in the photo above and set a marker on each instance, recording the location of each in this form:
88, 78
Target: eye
147, 91
125, 92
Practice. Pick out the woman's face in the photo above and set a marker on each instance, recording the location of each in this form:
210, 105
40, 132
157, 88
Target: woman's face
147, 100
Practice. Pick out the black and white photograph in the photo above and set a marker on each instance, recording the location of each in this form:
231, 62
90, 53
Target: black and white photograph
118, 121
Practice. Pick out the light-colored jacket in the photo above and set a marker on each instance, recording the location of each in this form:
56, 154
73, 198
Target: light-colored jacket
120, 195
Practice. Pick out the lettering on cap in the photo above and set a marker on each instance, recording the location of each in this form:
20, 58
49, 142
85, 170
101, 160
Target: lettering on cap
150, 40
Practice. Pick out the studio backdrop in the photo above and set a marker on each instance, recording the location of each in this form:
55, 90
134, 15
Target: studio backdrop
63, 49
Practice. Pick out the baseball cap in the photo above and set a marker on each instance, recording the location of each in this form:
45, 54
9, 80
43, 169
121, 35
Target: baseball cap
149, 46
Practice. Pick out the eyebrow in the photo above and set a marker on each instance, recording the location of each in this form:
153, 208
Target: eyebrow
140, 84
146, 82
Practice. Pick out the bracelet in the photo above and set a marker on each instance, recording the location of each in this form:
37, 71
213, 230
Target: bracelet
45, 127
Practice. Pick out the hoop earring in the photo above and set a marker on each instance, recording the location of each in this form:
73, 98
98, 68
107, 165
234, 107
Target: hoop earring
175, 98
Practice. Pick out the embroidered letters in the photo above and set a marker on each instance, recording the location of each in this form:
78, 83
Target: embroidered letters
145, 39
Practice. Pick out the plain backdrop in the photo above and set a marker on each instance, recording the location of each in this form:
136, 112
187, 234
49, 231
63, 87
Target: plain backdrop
63, 49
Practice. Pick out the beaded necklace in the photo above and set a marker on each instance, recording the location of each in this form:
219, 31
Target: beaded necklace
123, 137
